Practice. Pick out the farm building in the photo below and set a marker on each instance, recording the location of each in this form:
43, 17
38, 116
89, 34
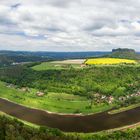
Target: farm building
40, 94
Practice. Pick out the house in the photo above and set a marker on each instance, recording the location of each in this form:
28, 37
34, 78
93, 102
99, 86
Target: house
103, 97
110, 99
40, 94
24, 89
122, 98
11, 86
97, 95
131, 85
83, 65
127, 96
138, 92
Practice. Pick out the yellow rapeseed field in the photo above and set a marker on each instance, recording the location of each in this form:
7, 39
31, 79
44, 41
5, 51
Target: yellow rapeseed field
108, 61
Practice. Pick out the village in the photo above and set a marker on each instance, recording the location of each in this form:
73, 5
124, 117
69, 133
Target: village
98, 98
26, 89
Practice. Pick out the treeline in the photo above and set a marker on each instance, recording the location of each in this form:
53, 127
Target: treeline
12, 129
6, 60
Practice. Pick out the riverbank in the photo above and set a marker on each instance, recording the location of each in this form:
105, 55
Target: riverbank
49, 112
23, 121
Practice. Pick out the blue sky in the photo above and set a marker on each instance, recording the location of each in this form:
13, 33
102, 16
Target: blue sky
69, 25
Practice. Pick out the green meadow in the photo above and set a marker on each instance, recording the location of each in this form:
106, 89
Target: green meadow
53, 102
54, 66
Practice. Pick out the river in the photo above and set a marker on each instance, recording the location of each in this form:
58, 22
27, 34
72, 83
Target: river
71, 123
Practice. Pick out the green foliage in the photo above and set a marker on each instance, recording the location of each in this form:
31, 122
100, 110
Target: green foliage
4, 61
107, 80
120, 91
12, 129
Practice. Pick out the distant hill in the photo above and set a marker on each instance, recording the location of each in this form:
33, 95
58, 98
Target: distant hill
4, 60
12, 57
124, 53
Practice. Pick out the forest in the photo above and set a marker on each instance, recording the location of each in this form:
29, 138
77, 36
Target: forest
106, 80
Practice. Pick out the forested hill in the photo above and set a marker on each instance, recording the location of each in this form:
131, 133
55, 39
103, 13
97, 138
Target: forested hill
124, 53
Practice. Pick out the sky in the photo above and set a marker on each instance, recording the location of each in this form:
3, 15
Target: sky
69, 25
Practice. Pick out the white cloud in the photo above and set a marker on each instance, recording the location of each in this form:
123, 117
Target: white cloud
69, 25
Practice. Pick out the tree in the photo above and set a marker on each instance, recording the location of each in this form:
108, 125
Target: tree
91, 98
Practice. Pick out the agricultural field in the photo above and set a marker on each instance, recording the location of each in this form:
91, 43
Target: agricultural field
58, 65
109, 61
53, 102
71, 61
80, 63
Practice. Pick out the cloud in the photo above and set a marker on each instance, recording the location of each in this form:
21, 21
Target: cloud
69, 25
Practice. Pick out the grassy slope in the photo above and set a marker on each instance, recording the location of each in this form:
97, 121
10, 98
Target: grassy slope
54, 102
122, 109
45, 66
